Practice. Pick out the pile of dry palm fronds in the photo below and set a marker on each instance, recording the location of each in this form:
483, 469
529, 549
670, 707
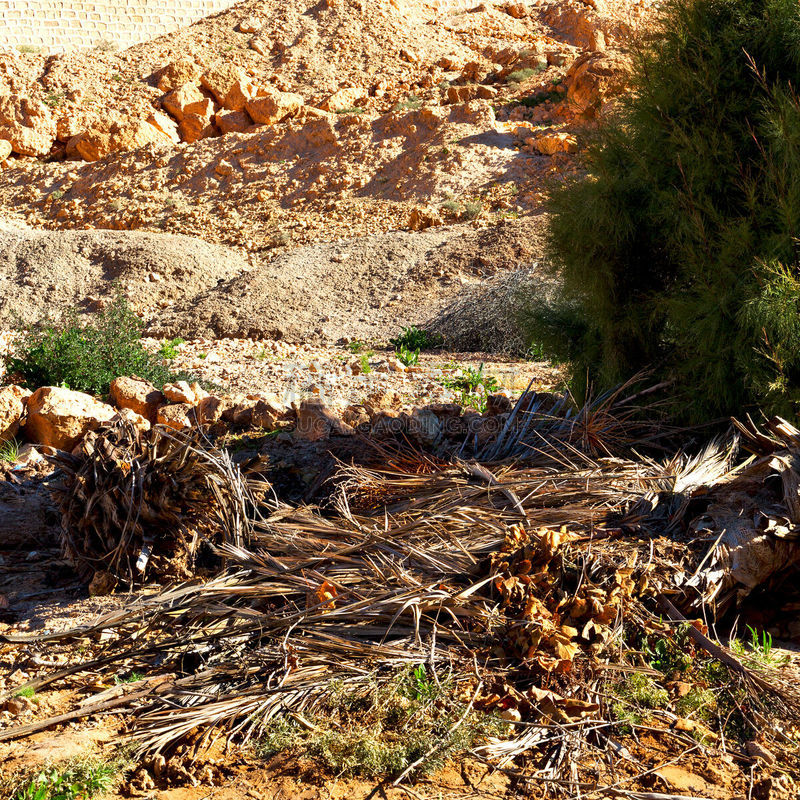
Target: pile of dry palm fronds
155, 502
541, 587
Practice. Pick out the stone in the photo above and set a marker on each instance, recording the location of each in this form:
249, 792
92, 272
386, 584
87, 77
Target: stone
13, 400
449, 63
27, 141
497, 404
551, 143
516, 10
179, 392
422, 218
233, 121
118, 137
344, 98
251, 25
194, 127
593, 80
229, 85
315, 422
182, 70
187, 99
460, 94
274, 107
5, 149
174, 416
138, 395
210, 409
425, 426
60, 418
103, 583
165, 124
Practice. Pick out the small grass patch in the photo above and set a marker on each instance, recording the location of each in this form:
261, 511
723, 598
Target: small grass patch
473, 386
411, 103
169, 348
414, 338
26, 691
351, 110
131, 677
9, 451
365, 365
379, 728
473, 209
78, 780
28, 48
54, 99
521, 75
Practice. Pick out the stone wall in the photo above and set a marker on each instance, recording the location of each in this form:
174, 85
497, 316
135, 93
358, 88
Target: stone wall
57, 25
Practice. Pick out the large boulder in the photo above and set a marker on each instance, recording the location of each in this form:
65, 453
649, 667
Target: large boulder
274, 107
182, 70
138, 395
12, 406
187, 99
60, 418
229, 85
315, 422
28, 125
344, 98
120, 137
593, 80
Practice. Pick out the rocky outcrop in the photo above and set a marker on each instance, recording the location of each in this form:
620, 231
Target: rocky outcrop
120, 136
229, 85
593, 80
27, 125
13, 400
138, 395
274, 107
60, 418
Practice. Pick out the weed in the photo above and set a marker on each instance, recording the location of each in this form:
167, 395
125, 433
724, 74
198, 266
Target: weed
535, 352
473, 209
539, 98
57, 194
365, 367
670, 655
106, 46
9, 450
78, 781
29, 48
411, 103
758, 650
356, 346
54, 99
116, 77
636, 694
131, 677
470, 379
202, 356
453, 206
413, 338
169, 348
521, 75
87, 356
420, 687
351, 110
408, 357
26, 691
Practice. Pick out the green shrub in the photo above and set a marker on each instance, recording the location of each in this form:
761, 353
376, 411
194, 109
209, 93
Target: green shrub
87, 356
413, 338
678, 249
78, 781
521, 75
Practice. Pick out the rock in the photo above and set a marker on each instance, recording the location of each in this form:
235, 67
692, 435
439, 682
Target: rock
174, 416
17, 705
165, 124
344, 98
516, 10
12, 406
261, 45
187, 99
233, 121
5, 149
118, 137
461, 94
592, 80
497, 404
549, 144
198, 390
182, 70
229, 85
211, 408
251, 25
315, 422
138, 395
757, 750
102, 584
486, 92
60, 418
194, 127
27, 141
179, 392
425, 426
449, 63
274, 107
422, 218
355, 416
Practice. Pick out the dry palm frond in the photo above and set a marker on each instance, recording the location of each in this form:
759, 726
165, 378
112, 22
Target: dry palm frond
136, 502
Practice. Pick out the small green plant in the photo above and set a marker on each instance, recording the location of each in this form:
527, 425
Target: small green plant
413, 338
26, 691
670, 655
409, 358
351, 110
411, 103
634, 696
420, 686
116, 77
79, 781
87, 356
202, 356
758, 649
28, 48
473, 209
453, 206
356, 346
57, 194
469, 379
169, 348
9, 450
54, 99
521, 75
539, 98
131, 677
365, 366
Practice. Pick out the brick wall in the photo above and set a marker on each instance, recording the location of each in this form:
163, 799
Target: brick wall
57, 25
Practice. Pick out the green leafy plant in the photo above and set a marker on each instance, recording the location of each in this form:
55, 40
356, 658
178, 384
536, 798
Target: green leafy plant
131, 677
408, 357
9, 450
676, 248
365, 365
521, 75
473, 209
413, 338
87, 356
169, 348
758, 649
26, 691
57, 194
79, 781
356, 346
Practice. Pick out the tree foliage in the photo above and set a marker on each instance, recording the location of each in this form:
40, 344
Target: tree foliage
678, 248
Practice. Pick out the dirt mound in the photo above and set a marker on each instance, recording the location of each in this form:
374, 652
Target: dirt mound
48, 272
364, 288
